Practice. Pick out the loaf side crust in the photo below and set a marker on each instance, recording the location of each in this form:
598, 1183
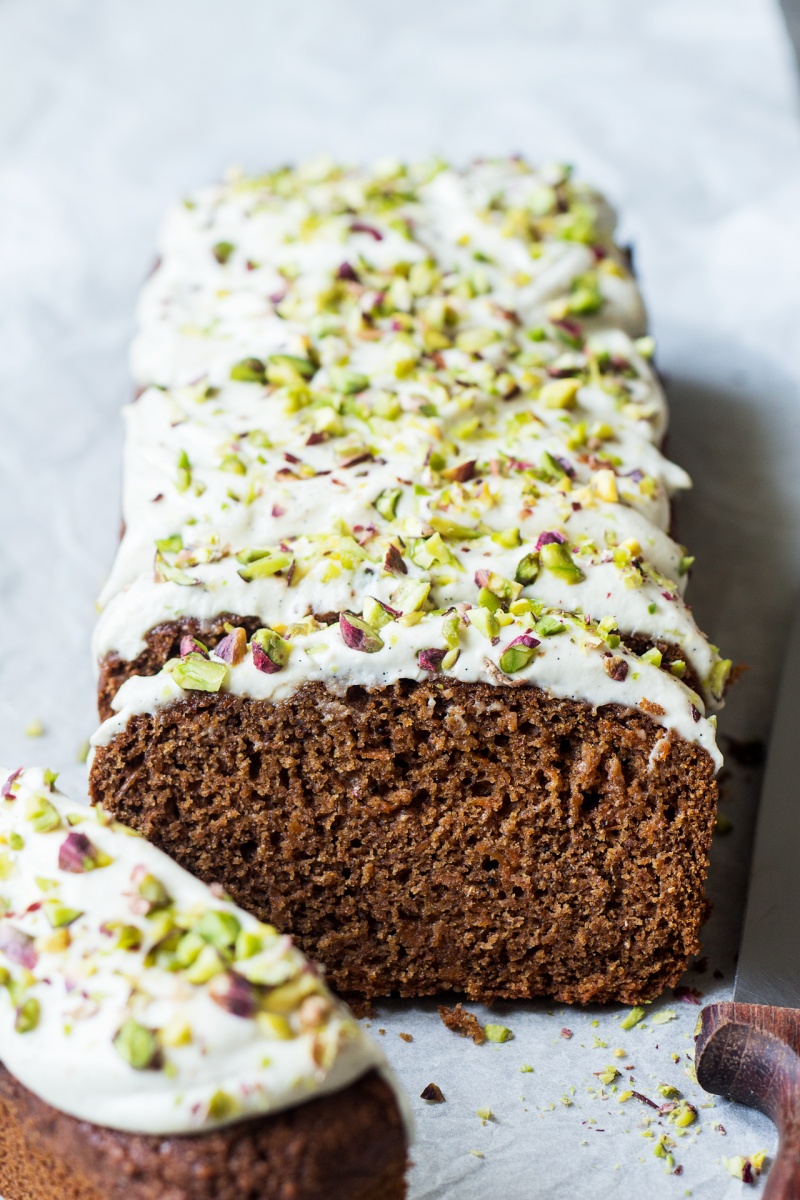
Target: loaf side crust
346, 1146
422, 837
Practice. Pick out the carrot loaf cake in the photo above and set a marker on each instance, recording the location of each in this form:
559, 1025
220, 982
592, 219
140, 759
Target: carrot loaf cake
158, 1043
395, 643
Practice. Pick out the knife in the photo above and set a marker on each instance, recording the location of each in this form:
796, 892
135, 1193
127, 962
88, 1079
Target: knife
749, 1049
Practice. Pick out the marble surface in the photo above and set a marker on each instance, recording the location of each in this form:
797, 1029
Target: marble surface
685, 111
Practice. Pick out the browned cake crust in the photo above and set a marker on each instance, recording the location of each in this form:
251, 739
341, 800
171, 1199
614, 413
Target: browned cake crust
347, 1146
163, 643
422, 837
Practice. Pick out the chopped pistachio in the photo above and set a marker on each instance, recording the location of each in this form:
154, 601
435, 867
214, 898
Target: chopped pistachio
199, 674
222, 251
527, 569
42, 815
555, 557
136, 1045
497, 1033
218, 927
59, 914
560, 393
484, 621
633, 1018
27, 1015
34, 729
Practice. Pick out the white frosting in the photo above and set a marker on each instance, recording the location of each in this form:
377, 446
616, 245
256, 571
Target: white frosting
571, 664
433, 317
76, 987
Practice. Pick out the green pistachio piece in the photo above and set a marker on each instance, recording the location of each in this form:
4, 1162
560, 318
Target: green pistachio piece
265, 563
184, 477
375, 614
678, 668
42, 815
233, 465
249, 370
487, 599
194, 673
555, 557
59, 914
358, 634
259, 439
505, 589
247, 944
652, 656
548, 625
718, 677
129, 937
222, 1106
633, 1018
218, 927
527, 569
453, 531
136, 1045
16, 841
346, 381
27, 1017
432, 551
286, 998
411, 595
509, 539
207, 964
170, 545
516, 657
164, 571
497, 1033
189, 948
286, 370
153, 891
269, 650
451, 629
585, 295
485, 622
386, 502
560, 393
222, 251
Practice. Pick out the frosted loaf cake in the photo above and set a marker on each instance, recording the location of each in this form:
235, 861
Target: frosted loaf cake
397, 619
159, 1042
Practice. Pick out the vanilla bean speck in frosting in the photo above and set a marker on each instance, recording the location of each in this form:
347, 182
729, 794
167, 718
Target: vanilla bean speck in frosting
134, 996
417, 403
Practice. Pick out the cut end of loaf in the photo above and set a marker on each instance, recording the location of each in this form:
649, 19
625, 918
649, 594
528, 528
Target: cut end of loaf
436, 836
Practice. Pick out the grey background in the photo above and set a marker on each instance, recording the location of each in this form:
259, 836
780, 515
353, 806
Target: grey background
685, 111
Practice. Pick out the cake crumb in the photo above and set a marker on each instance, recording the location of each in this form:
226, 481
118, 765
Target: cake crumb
465, 1024
433, 1094
407, 1037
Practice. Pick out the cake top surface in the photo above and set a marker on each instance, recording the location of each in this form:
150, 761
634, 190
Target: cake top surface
396, 393
134, 996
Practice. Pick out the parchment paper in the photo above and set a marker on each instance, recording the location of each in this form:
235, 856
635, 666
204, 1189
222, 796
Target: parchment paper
685, 112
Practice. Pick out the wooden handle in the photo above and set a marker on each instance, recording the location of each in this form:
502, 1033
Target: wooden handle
751, 1053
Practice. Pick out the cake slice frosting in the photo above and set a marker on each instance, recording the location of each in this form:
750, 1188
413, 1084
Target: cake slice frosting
136, 997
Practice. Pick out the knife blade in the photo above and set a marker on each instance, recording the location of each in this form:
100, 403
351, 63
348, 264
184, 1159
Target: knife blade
749, 1049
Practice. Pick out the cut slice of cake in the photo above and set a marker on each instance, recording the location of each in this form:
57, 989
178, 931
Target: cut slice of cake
395, 644
159, 1043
